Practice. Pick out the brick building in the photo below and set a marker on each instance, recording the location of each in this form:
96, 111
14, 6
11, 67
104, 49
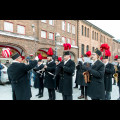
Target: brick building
91, 37
20, 36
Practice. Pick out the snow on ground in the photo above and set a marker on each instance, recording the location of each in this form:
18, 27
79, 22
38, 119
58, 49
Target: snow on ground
6, 93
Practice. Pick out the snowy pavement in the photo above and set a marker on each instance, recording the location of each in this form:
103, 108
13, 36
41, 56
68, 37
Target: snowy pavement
6, 93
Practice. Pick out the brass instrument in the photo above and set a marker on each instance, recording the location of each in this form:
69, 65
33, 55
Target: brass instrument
116, 74
87, 75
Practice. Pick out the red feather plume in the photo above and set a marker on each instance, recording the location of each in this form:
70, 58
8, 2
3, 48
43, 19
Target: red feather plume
107, 53
60, 59
104, 47
88, 53
40, 57
67, 46
116, 57
50, 52
101, 58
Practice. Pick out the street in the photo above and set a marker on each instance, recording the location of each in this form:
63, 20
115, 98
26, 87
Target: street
6, 93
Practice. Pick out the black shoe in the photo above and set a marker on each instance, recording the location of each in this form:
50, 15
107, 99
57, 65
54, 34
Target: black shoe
79, 88
40, 96
75, 87
37, 94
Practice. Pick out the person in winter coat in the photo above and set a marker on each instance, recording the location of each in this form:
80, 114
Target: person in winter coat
109, 71
118, 66
96, 89
1, 67
19, 78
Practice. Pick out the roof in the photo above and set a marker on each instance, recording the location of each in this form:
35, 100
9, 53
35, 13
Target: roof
94, 26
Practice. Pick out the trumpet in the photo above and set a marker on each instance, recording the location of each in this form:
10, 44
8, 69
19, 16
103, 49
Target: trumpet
116, 74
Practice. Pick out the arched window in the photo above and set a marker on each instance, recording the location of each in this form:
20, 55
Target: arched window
82, 30
85, 31
87, 48
82, 49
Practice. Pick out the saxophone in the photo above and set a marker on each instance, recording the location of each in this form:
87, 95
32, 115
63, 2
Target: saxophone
116, 74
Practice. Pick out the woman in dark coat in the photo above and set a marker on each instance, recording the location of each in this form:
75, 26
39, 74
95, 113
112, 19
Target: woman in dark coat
95, 88
38, 83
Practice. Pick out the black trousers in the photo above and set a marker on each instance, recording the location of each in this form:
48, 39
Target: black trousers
41, 90
84, 90
67, 97
51, 93
13, 95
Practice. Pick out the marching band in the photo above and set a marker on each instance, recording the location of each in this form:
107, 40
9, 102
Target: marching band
94, 75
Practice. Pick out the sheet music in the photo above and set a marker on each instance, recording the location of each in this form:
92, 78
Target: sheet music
87, 59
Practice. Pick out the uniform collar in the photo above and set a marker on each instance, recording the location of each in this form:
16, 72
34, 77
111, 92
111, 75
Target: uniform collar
66, 61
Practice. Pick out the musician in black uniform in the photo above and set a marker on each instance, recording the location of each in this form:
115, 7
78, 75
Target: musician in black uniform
49, 82
68, 68
118, 67
38, 83
19, 78
109, 71
58, 61
95, 88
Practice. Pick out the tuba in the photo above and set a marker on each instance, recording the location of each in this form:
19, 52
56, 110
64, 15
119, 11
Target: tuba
116, 74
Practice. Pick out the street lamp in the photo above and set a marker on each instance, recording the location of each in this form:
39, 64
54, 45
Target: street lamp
33, 27
56, 35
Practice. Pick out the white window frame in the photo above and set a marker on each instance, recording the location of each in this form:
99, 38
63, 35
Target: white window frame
8, 26
69, 27
63, 25
22, 31
43, 34
73, 29
51, 22
51, 38
63, 40
43, 21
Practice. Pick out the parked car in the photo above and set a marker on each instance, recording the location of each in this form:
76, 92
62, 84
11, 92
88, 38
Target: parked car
4, 75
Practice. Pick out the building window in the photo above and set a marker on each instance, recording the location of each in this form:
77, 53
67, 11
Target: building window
43, 34
97, 36
93, 49
88, 32
101, 39
73, 42
63, 40
82, 30
93, 35
85, 31
73, 29
20, 29
51, 36
68, 27
8, 26
87, 48
44, 21
69, 40
63, 25
51, 22
82, 49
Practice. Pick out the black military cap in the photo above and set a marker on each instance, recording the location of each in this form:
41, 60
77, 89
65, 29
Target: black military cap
15, 56
98, 52
66, 53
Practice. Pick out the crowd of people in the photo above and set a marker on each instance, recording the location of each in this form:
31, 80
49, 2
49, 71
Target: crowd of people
95, 79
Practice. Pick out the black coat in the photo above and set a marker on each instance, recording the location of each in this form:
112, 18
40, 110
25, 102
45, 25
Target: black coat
79, 75
96, 89
109, 70
118, 75
19, 78
66, 78
38, 83
58, 72
49, 79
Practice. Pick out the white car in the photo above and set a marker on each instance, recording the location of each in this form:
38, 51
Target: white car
4, 75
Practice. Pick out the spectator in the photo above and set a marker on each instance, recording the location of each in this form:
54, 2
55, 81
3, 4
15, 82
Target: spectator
0, 69
7, 64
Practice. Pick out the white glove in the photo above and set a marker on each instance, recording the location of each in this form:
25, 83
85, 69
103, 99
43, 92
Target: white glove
36, 58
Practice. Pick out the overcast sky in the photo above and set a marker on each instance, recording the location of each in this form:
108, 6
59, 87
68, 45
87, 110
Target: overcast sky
110, 26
